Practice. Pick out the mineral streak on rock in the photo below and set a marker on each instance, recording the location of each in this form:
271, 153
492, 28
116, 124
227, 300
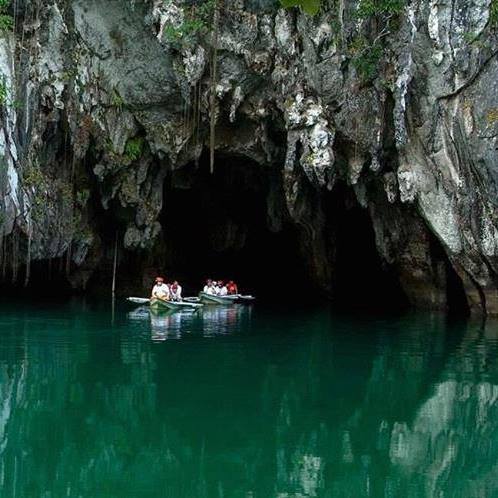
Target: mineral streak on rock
104, 100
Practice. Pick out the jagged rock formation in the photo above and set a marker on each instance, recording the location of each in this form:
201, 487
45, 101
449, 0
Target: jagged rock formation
106, 103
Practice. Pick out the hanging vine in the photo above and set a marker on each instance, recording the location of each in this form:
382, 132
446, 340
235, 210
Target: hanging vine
214, 78
28, 252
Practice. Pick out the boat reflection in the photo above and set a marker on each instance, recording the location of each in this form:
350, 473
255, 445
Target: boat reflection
210, 321
170, 325
223, 320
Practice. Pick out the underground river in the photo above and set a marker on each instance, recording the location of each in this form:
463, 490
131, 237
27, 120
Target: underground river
244, 402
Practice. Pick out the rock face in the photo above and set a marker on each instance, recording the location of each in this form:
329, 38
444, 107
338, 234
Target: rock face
106, 102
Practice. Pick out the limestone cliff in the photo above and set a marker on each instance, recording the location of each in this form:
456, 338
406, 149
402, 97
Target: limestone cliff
105, 103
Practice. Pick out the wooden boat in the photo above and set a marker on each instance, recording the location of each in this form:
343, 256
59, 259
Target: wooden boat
211, 299
229, 299
159, 304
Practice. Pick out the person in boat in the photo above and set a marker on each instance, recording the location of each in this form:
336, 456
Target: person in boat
161, 290
232, 288
221, 289
208, 288
176, 291
214, 289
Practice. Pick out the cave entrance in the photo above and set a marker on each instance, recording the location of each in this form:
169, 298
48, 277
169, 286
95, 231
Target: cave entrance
217, 226
361, 280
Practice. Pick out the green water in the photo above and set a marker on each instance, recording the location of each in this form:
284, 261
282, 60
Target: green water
245, 403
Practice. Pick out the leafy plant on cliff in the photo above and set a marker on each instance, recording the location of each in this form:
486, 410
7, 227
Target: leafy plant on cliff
6, 20
116, 100
378, 19
4, 91
311, 7
5, 97
493, 13
366, 57
197, 21
134, 148
375, 8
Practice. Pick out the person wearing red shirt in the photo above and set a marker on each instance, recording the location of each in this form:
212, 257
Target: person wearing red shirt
232, 288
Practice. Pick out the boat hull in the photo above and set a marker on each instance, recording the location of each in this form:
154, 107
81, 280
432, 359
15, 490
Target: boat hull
160, 305
210, 299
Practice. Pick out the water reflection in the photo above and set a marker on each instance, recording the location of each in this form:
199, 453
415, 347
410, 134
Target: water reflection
245, 404
210, 321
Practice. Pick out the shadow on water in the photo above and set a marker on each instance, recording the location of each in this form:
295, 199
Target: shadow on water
245, 402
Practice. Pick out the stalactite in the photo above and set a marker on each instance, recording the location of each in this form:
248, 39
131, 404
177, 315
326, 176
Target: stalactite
68, 259
4, 261
184, 119
28, 252
191, 129
115, 264
214, 77
198, 116
187, 120
61, 264
15, 255
2, 251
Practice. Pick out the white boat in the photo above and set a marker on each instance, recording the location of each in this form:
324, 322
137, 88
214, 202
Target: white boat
156, 304
229, 299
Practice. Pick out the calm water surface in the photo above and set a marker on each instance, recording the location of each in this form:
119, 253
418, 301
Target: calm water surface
245, 403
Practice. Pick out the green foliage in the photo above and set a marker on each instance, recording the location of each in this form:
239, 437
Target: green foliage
6, 20
493, 13
117, 100
82, 197
197, 21
311, 7
34, 182
366, 61
5, 98
375, 8
134, 148
4, 91
367, 52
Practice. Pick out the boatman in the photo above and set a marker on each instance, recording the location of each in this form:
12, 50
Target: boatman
161, 290
176, 291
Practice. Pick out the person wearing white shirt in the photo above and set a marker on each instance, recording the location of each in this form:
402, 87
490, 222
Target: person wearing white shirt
208, 288
221, 289
161, 290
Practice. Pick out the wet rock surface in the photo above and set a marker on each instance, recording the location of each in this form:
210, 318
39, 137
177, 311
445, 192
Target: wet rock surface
108, 102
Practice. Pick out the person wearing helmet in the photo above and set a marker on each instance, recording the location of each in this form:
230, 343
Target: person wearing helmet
161, 290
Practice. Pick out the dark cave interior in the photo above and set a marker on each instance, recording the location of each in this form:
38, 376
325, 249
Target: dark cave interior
361, 280
216, 226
